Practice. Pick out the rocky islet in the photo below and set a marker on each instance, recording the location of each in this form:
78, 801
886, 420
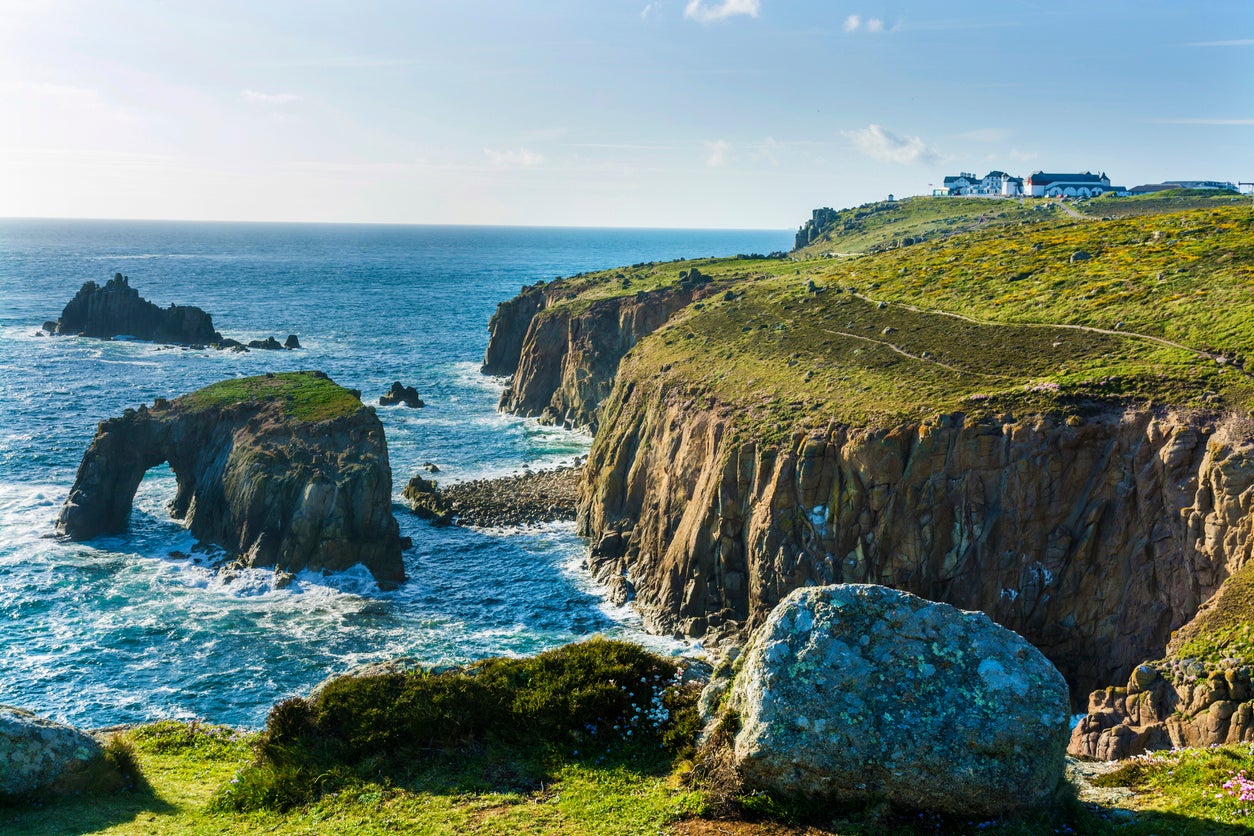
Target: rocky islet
116, 309
287, 470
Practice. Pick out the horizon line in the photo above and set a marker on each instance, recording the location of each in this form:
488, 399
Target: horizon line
4, 218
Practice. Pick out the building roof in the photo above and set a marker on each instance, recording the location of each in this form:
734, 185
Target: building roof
1041, 178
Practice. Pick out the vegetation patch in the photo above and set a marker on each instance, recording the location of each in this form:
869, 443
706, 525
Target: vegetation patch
1190, 786
304, 396
595, 699
1223, 629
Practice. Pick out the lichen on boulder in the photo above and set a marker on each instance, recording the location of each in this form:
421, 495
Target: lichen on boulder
858, 692
36, 753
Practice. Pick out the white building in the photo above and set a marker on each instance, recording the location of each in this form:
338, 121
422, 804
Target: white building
1088, 184
993, 183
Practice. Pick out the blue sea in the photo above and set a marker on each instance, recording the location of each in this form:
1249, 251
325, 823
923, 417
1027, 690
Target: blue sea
127, 628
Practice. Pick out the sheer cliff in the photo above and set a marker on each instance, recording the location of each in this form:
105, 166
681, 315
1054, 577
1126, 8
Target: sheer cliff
1043, 418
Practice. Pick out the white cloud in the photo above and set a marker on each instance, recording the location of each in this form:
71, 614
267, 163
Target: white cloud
1203, 121
886, 146
717, 153
649, 9
852, 23
256, 97
522, 158
1023, 156
698, 10
1239, 42
875, 25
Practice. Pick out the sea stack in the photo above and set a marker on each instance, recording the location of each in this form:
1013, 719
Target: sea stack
284, 470
117, 309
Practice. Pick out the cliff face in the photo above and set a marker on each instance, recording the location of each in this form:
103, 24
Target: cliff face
1093, 541
273, 488
117, 308
563, 360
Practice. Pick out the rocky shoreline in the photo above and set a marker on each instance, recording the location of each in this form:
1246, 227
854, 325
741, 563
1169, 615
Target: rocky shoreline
529, 498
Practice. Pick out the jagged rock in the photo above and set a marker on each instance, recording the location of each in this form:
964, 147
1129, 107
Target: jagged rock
430, 467
402, 394
855, 692
563, 363
426, 501
38, 753
1080, 255
268, 344
117, 309
285, 470
50, 326
1094, 539
291, 342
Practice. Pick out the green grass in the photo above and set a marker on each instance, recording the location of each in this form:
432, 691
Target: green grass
1224, 627
884, 225
304, 396
1182, 789
1171, 200
885, 339
489, 791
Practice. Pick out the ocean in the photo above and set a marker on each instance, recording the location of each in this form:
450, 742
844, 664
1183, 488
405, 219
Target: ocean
130, 628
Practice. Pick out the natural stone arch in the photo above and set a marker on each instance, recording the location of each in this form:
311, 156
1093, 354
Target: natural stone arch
270, 486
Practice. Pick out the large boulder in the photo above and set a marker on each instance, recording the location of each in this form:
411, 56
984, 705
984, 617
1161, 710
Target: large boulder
284, 470
853, 691
37, 753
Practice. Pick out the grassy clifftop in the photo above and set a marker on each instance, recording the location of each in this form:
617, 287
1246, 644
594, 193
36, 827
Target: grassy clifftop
1044, 310
304, 396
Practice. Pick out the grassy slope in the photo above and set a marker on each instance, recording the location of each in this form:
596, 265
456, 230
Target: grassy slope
305, 396
185, 766
778, 353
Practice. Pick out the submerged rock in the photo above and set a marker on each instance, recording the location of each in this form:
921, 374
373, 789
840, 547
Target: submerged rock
854, 692
37, 753
117, 309
283, 470
399, 393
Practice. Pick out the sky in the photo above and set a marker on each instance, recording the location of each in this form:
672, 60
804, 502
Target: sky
661, 113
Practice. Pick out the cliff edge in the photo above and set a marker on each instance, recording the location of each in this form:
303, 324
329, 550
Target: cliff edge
1041, 417
285, 470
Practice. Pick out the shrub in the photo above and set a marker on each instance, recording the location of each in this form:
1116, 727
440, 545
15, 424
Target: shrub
610, 693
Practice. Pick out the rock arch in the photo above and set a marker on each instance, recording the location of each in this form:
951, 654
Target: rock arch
273, 487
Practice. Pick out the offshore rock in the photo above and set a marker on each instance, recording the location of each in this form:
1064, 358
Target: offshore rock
38, 753
854, 692
426, 501
399, 393
287, 470
509, 501
117, 309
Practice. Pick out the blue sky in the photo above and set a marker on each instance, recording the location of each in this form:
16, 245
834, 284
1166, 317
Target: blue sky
670, 113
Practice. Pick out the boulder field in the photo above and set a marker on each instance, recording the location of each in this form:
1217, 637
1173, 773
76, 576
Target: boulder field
284, 470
